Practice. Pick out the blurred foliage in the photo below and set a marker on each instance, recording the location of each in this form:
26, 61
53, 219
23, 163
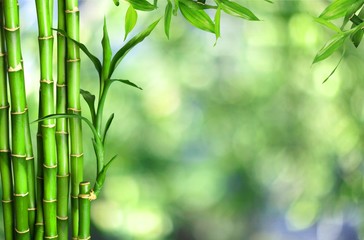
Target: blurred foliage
237, 141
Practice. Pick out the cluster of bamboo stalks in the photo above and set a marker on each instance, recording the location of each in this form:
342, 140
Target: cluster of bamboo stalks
39, 210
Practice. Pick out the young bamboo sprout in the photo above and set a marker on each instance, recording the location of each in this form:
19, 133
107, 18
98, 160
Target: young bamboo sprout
18, 118
5, 161
85, 208
74, 106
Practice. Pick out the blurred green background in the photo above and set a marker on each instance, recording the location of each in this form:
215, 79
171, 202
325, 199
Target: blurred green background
237, 141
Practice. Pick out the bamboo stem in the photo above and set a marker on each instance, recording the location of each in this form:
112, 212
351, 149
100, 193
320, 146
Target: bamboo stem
73, 98
5, 161
85, 210
18, 118
62, 130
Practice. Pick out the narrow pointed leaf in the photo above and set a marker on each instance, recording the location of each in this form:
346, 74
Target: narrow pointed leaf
129, 45
142, 5
106, 52
352, 10
127, 82
197, 5
356, 37
92, 57
217, 23
334, 70
175, 8
116, 2
107, 126
90, 100
197, 18
328, 24
131, 18
235, 9
168, 18
337, 9
333, 45
100, 179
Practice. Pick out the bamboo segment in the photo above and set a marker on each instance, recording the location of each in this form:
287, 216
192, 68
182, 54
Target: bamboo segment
85, 210
62, 130
18, 118
44, 14
73, 105
5, 161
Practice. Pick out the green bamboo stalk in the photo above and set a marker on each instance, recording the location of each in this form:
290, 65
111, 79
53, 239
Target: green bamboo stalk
44, 14
18, 118
73, 106
62, 130
5, 160
85, 211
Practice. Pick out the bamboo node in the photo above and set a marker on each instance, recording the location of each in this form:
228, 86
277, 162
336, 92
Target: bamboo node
61, 85
11, 29
62, 218
29, 158
2, 54
75, 197
87, 238
19, 113
46, 37
48, 125
74, 109
5, 107
62, 132
32, 209
76, 155
92, 195
84, 196
46, 81
4, 150
63, 176
51, 237
18, 155
73, 60
60, 34
16, 68
22, 232
49, 201
50, 167
74, 10
39, 224
7, 201
21, 194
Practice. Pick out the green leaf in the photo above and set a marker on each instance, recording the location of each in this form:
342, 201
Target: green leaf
176, 7
197, 5
352, 10
197, 18
92, 57
142, 5
129, 45
333, 45
337, 9
100, 179
107, 126
131, 18
217, 23
356, 37
235, 9
106, 52
328, 24
334, 70
168, 18
127, 82
116, 2
90, 100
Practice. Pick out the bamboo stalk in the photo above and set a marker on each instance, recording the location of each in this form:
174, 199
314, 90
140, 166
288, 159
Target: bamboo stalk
44, 14
73, 106
18, 117
5, 160
85, 211
62, 130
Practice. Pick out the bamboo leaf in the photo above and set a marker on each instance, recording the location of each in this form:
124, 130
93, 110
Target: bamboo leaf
107, 126
100, 179
131, 18
127, 82
337, 9
217, 24
142, 5
116, 2
106, 52
328, 24
129, 45
356, 37
90, 100
176, 7
168, 18
199, 5
235, 9
352, 10
333, 45
197, 18
92, 57
334, 70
